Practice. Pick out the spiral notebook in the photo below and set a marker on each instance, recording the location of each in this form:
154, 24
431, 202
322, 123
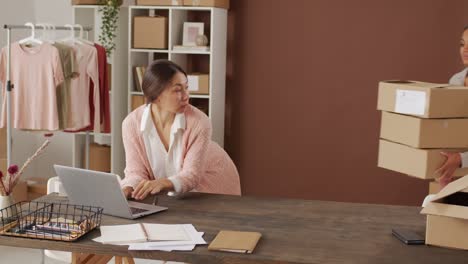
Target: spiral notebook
235, 241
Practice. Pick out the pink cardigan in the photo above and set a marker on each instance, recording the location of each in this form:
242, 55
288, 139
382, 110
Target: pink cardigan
206, 167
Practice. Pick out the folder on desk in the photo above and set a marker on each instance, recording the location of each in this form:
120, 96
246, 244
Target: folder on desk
235, 241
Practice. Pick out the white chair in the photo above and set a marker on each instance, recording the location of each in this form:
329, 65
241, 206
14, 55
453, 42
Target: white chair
55, 186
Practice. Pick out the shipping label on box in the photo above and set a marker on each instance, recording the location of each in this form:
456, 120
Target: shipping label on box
423, 132
447, 216
199, 83
419, 163
428, 100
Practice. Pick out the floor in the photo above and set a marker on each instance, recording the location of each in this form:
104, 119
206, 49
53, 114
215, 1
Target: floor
33, 256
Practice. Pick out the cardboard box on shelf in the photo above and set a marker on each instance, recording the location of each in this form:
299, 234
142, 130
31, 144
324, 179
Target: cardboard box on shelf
37, 187
160, 2
447, 216
422, 99
208, 3
20, 192
199, 83
419, 163
137, 101
150, 32
434, 187
99, 157
424, 133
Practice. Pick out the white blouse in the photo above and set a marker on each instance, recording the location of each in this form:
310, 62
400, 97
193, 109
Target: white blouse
165, 164
459, 80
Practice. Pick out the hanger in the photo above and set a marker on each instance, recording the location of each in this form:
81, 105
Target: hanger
81, 35
44, 31
71, 38
31, 39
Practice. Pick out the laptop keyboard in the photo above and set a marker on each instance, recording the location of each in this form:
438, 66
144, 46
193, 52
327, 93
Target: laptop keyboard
137, 210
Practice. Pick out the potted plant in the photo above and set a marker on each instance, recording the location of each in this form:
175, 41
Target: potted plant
110, 15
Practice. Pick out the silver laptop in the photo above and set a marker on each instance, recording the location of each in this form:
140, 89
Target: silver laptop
87, 187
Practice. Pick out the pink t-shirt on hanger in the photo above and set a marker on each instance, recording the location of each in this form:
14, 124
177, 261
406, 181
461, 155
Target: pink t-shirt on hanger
35, 73
79, 108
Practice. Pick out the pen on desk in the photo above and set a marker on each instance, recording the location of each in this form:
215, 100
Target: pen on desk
155, 200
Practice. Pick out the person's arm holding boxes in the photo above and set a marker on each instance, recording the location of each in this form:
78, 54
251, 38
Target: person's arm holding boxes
456, 160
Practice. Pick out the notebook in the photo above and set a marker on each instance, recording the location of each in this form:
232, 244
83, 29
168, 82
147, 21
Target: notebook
135, 233
235, 241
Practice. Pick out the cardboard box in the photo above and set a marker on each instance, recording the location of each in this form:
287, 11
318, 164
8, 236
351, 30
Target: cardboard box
424, 133
160, 2
137, 101
209, 3
447, 216
419, 163
90, 2
99, 157
434, 187
20, 192
37, 187
421, 99
199, 83
150, 32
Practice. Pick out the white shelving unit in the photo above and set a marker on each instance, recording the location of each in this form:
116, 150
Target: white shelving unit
213, 61
88, 15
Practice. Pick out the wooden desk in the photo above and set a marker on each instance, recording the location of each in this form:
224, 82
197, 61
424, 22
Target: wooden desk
294, 231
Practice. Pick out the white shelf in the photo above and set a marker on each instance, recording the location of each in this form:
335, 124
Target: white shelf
216, 56
149, 50
89, 15
191, 52
188, 8
87, 6
202, 96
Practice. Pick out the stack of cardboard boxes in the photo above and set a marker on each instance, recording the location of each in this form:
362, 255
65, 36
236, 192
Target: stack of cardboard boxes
420, 120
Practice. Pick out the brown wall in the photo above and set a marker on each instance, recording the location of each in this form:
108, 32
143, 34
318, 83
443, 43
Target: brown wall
302, 89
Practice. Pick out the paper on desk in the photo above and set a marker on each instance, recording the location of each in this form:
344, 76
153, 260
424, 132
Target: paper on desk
196, 238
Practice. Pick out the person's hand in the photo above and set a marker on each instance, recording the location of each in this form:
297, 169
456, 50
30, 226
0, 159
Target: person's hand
447, 169
127, 191
146, 187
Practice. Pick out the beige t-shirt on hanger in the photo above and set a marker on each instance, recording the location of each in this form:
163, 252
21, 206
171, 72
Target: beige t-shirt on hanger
35, 73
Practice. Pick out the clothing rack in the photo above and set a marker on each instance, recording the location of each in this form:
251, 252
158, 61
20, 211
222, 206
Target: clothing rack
10, 86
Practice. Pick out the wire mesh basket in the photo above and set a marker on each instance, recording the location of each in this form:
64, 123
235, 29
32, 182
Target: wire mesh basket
52, 221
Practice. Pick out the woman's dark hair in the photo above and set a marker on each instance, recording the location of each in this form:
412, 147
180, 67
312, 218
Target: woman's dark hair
157, 76
466, 28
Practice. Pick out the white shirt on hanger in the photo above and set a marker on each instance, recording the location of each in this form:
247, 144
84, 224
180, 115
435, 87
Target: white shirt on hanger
165, 164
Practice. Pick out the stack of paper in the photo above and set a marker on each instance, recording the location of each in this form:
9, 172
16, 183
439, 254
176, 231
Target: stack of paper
152, 236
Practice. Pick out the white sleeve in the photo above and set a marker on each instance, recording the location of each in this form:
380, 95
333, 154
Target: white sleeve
464, 159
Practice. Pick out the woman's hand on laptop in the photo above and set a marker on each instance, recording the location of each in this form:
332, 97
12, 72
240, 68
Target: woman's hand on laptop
127, 191
146, 187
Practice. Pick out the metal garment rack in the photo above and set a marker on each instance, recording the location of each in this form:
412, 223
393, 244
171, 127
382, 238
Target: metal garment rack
10, 86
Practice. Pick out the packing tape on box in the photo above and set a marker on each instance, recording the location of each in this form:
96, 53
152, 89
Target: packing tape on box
196, 2
176, 2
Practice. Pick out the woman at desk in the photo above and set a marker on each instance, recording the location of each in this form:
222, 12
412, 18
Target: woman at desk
168, 143
456, 160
